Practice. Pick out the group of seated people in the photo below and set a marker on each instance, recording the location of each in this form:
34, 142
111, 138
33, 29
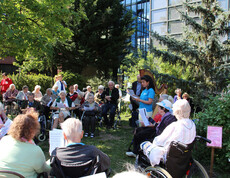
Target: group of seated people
58, 104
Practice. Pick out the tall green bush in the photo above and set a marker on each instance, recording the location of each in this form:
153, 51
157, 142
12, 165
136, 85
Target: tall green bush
31, 80
216, 113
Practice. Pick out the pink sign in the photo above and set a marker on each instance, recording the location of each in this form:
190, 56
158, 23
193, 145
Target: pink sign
214, 134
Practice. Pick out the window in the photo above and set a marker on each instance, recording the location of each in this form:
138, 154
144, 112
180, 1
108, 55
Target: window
223, 4
174, 13
156, 4
159, 28
159, 15
175, 27
175, 2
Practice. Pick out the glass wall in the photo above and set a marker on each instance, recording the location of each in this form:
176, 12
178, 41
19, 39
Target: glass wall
165, 17
141, 14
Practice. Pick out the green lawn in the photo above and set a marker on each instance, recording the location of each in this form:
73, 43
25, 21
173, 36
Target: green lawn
112, 142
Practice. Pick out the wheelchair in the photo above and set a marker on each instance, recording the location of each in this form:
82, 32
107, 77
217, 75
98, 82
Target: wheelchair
42, 120
179, 162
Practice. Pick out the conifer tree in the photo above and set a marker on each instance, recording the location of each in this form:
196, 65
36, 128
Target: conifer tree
200, 48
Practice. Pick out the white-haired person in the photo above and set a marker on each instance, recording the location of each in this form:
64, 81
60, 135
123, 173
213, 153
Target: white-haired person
37, 93
111, 96
88, 90
178, 95
98, 97
90, 109
55, 91
76, 152
183, 130
62, 107
10, 96
76, 89
60, 83
47, 101
154, 129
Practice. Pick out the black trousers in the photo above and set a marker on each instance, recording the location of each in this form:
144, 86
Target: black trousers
89, 124
142, 134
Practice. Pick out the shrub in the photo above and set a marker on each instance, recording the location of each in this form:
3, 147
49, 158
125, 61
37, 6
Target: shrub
73, 78
95, 82
31, 80
216, 113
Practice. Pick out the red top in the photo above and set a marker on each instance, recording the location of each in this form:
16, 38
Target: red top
157, 118
5, 83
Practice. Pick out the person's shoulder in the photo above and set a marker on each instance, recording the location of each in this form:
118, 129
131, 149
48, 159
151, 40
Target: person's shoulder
151, 90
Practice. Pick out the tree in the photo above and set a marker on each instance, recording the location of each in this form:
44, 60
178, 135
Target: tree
100, 39
200, 48
29, 28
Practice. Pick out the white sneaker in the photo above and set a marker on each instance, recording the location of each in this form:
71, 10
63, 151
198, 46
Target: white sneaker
130, 154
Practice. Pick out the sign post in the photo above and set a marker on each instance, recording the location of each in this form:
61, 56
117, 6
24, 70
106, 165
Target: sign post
214, 133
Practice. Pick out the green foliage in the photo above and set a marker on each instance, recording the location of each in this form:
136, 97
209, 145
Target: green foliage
96, 81
99, 39
29, 28
73, 78
216, 113
31, 80
200, 49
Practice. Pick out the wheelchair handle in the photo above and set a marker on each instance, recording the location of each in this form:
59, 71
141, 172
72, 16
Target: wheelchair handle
198, 138
180, 144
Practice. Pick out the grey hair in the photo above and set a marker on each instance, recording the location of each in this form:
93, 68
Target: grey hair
30, 94
62, 92
178, 89
75, 85
11, 85
100, 87
181, 109
111, 82
49, 89
89, 95
72, 127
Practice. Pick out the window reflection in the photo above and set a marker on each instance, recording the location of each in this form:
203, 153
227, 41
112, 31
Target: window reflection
159, 28
159, 15
156, 4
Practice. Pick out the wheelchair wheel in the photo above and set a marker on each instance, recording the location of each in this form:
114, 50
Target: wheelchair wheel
197, 171
41, 137
157, 172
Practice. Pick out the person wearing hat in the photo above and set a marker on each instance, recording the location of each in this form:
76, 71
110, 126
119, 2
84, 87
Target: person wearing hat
62, 105
183, 130
150, 132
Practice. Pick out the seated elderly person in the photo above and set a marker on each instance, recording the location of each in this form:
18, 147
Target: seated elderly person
98, 97
76, 89
37, 93
22, 95
55, 91
62, 105
47, 101
183, 130
90, 109
10, 96
18, 151
32, 103
73, 95
111, 96
153, 130
76, 153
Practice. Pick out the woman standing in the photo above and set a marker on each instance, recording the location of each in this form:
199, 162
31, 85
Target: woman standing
147, 95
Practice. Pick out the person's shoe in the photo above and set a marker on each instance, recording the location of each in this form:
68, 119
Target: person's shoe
86, 134
92, 135
130, 154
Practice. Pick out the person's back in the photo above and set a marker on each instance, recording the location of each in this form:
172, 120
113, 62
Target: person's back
76, 154
24, 158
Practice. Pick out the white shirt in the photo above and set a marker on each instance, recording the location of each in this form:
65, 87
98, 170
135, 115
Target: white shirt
58, 83
183, 130
65, 103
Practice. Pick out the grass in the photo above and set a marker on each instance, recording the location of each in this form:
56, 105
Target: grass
112, 142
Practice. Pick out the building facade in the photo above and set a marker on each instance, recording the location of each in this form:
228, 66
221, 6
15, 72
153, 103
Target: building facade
165, 18
141, 13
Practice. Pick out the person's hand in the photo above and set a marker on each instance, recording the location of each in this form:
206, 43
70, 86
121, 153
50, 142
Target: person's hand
137, 99
108, 98
142, 124
67, 108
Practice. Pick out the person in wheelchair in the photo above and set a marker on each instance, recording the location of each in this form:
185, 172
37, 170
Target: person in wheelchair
76, 159
62, 107
154, 129
183, 131
32, 103
10, 97
90, 109
22, 95
99, 100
